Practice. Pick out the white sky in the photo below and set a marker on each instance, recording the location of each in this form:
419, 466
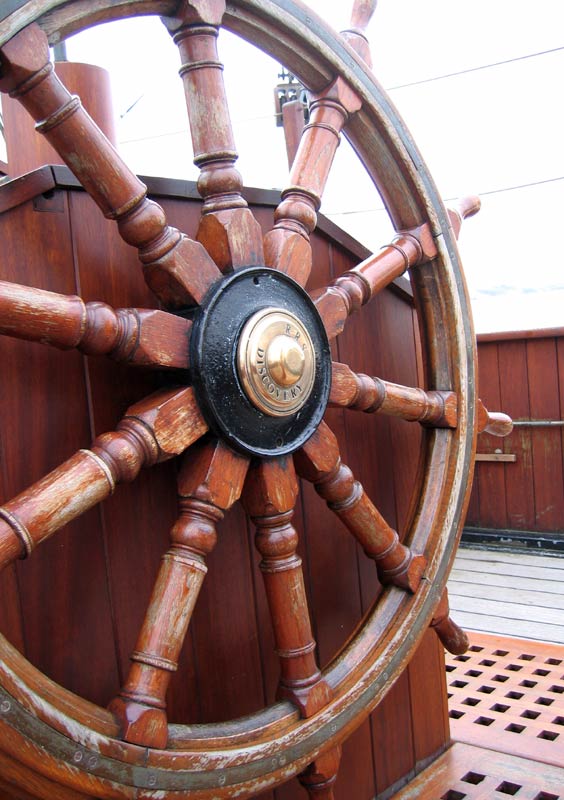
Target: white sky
480, 132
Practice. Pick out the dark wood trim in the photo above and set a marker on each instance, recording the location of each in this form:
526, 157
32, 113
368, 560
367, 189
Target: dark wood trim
509, 336
513, 541
19, 190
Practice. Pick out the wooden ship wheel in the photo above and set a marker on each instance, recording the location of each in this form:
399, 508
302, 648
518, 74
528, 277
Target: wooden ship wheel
248, 353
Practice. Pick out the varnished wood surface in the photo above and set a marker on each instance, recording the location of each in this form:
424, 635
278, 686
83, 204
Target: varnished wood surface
123, 540
25, 150
522, 375
511, 594
506, 694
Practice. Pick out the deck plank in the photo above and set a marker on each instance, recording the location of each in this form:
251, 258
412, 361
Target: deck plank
509, 627
509, 608
509, 594
511, 568
528, 597
504, 581
494, 556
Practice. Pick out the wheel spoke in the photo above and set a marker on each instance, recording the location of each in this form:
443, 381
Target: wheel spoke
228, 229
363, 393
319, 461
452, 637
287, 245
269, 499
158, 428
210, 481
356, 287
176, 268
320, 776
146, 337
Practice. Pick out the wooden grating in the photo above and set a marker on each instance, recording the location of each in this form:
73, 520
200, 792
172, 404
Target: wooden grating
466, 772
508, 695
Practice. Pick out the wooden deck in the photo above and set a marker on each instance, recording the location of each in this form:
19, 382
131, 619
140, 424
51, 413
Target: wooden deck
506, 694
510, 594
506, 709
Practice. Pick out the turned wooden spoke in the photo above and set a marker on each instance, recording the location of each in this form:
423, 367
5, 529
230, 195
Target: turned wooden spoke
320, 776
210, 481
160, 427
269, 498
464, 208
352, 390
287, 246
452, 637
228, 229
356, 287
145, 337
177, 269
319, 461
362, 13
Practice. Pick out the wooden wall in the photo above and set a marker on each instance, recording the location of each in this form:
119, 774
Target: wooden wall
76, 606
523, 375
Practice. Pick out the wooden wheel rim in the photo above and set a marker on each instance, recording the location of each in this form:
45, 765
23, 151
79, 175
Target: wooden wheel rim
45, 735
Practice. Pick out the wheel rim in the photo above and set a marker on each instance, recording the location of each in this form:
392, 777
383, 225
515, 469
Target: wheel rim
362, 673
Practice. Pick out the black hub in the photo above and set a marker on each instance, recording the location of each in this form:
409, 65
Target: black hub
221, 394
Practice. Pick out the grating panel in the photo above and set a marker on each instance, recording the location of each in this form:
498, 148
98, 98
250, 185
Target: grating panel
466, 772
508, 695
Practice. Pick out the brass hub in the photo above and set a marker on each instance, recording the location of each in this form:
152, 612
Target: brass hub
276, 362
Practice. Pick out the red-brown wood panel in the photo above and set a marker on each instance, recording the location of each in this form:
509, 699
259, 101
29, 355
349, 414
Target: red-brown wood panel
136, 519
399, 366
560, 356
45, 420
547, 442
490, 475
514, 400
392, 733
473, 513
380, 341
529, 377
429, 703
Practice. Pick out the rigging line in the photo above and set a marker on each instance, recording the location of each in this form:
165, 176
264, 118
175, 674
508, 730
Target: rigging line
475, 69
451, 199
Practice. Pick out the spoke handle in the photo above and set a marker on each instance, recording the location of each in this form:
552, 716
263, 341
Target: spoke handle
319, 462
269, 499
140, 706
355, 288
75, 486
140, 336
357, 391
452, 637
156, 429
64, 321
493, 422
209, 482
178, 270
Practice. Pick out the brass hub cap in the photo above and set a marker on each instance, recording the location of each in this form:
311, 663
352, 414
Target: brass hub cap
276, 362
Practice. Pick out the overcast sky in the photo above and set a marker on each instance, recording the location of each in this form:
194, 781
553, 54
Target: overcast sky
485, 131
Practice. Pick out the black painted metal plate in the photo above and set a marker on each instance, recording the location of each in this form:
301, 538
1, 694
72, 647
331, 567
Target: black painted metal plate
215, 336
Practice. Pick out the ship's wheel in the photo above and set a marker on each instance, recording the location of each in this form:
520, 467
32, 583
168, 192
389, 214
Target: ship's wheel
250, 417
